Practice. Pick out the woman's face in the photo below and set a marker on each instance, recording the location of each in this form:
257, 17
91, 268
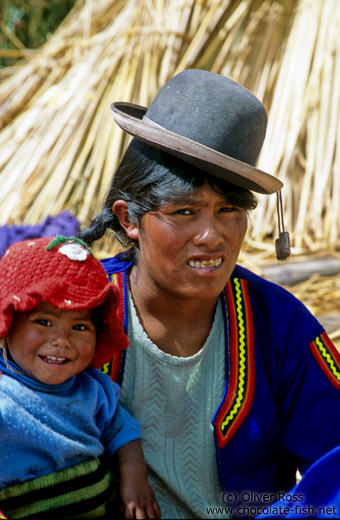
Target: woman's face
189, 249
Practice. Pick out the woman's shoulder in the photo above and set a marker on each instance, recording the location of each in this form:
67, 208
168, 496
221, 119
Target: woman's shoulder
117, 264
275, 308
258, 285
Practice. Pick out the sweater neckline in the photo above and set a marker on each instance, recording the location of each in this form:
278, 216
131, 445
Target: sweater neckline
32, 383
152, 348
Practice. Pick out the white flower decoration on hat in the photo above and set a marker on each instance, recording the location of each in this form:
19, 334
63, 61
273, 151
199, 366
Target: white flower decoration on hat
74, 251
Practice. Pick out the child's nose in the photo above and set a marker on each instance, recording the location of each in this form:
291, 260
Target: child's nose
61, 339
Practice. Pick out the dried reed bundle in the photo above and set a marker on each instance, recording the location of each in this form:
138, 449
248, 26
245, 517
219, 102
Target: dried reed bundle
322, 296
302, 145
59, 144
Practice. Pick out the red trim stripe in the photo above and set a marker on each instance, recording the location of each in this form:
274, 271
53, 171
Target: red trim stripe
241, 384
327, 357
113, 367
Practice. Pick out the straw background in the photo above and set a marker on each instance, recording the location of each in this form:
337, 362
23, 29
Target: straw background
59, 145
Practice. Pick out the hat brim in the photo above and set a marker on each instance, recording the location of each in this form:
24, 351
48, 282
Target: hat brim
130, 117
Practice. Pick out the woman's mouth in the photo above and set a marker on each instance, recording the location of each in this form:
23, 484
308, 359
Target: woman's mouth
204, 264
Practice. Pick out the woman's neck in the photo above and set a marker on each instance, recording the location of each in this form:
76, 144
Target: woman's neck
178, 326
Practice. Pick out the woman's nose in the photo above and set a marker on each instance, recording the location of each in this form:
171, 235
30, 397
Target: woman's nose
208, 233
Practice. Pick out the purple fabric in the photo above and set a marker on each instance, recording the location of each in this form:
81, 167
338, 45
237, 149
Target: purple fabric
62, 224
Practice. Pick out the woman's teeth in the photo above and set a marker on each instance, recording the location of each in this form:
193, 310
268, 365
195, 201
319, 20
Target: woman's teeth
206, 263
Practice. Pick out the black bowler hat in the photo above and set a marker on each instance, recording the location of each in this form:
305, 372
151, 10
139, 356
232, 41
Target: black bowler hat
206, 120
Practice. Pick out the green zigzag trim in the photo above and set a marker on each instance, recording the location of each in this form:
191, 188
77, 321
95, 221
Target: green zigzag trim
242, 360
325, 354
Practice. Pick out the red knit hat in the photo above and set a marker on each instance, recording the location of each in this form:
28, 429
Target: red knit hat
63, 272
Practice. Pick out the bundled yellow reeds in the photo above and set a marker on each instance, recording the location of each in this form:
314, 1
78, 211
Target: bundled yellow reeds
59, 145
322, 297
302, 143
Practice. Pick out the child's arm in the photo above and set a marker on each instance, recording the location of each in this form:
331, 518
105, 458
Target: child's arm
137, 497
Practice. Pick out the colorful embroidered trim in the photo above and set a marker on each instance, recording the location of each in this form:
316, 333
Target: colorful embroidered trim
115, 367
327, 357
241, 384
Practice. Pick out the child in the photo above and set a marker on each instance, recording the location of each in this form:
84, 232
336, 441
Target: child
59, 417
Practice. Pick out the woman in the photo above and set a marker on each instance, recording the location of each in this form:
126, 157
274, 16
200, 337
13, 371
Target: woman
234, 382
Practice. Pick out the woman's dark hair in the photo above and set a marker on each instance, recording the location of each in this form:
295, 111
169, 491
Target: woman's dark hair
146, 178
98, 318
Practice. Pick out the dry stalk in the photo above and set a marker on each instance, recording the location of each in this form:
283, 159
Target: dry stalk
59, 144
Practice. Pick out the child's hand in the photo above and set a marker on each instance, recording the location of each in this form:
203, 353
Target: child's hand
137, 497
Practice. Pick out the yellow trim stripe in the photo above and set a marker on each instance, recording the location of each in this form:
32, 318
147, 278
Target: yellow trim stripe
327, 357
330, 362
241, 363
242, 356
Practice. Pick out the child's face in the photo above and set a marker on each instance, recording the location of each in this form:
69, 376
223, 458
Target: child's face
52, 345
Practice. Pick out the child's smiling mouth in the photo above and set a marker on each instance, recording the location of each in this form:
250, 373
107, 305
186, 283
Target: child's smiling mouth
54, 360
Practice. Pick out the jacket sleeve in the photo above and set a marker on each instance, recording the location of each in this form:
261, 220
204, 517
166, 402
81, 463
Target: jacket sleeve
317, 495
310, 399
304, 369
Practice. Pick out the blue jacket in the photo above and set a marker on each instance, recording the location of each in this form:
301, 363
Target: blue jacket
317, 494
281, 406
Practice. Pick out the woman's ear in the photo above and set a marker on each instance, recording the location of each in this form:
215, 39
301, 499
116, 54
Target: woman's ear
120, 209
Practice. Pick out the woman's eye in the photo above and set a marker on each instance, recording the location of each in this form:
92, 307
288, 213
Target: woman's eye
183, 211
228, 209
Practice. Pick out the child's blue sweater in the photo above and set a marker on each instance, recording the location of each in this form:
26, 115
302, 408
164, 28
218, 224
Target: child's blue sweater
46, 428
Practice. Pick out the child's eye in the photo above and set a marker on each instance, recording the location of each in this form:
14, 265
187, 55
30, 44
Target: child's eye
43, 322
84, 327
80, 326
